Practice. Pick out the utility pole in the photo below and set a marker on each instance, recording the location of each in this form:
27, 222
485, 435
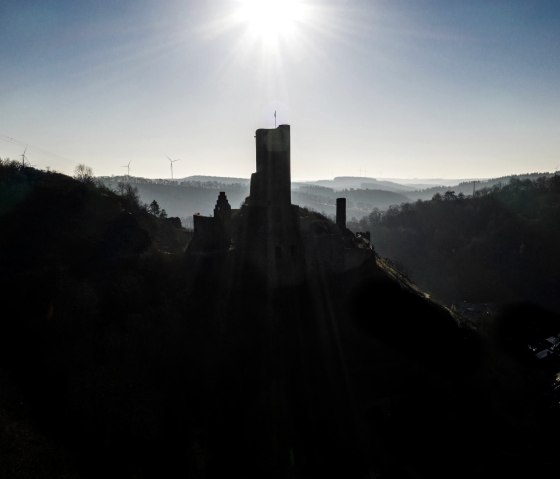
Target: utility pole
474, 187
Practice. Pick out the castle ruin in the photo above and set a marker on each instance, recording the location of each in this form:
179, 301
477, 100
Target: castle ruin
213, 233
267, 231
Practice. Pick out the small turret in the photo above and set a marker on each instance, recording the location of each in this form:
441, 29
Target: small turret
341, 213
213, 233
222, 215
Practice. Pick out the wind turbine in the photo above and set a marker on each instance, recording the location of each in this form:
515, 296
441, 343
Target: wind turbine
171, 165
127, 169
23, 158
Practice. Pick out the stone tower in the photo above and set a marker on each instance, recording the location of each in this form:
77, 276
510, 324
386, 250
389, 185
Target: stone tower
274, 223
222, 215
270, 185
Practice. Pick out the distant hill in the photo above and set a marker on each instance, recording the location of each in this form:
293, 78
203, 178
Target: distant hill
359, 202
467, 187
359, 182
423, 183
215, 179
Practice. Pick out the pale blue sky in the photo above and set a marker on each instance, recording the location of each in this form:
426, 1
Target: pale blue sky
392, 88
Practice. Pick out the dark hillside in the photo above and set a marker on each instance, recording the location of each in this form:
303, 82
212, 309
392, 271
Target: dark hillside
122, 356
87, 323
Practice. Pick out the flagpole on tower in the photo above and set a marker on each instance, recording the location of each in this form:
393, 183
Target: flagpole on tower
274, 118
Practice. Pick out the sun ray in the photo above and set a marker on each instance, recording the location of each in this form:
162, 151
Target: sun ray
271, 20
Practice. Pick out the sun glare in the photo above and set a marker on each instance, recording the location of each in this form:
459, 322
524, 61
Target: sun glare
272, 20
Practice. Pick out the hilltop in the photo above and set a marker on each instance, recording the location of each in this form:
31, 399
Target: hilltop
123, 353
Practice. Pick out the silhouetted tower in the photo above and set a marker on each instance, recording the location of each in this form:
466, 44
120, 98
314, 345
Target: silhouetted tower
270, 185
275, 233
212, 234
341, 213
222, 214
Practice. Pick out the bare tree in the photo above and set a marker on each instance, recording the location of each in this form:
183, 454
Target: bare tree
83, 173
128, 192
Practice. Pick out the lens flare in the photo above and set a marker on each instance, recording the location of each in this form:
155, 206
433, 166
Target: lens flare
272, 20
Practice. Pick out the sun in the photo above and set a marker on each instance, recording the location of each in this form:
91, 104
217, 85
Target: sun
272, 20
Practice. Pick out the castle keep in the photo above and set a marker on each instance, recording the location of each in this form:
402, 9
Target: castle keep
271, 184
272, 228
266, 227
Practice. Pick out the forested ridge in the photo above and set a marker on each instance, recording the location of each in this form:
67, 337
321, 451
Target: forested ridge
90, 323
499, 246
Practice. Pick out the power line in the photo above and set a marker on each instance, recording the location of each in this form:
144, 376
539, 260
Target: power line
15, 141
474, 187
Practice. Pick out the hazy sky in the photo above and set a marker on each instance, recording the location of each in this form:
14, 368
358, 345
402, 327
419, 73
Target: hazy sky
387, 88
